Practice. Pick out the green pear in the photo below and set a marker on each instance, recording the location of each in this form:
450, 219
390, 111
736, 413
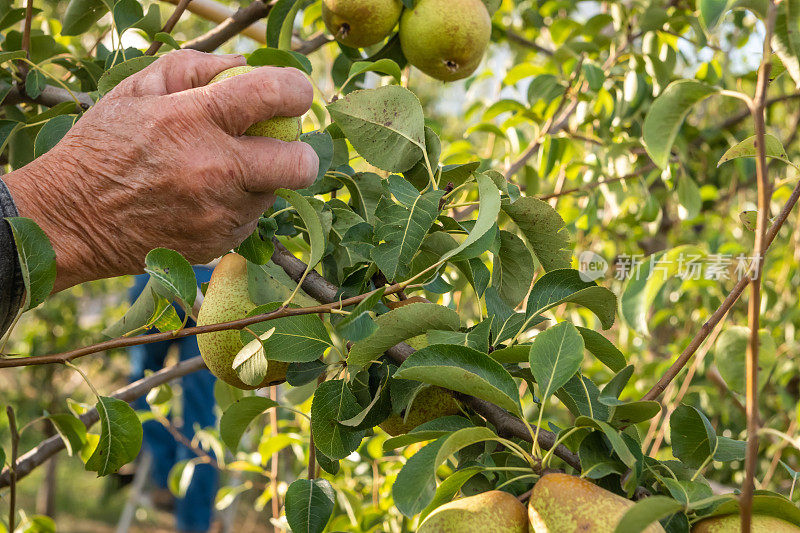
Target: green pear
494, 511
443, 40
430, 404
228, 298
282, 128
360, 23
569, 504
732, 524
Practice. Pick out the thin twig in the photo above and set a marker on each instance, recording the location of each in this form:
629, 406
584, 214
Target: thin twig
12, 498
754, 308
230, 27
169, 26
124, 342
731, 299
516, 38
26, 43
52, 445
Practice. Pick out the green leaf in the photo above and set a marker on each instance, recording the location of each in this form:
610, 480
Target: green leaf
81, 15
180, 477
692, 436
488, 210
645, 512
555, 356
415, 486
167, 39
71, 430
613, 389
322, 144
747, 148
113, 76
120, 437
309, 505
544, 230
311, 219
729, 356
383, 66
239, 415
399, 325
465, 370
636, 412
647, 279
333, 401
141, 313
580, 395
730, 450
448, 488
385, 125
12, 55
603, 349
126, 14
280, 22
431, 430
35, 82
786, 38
566, 285
37, 260
251, 364
279, 58
172, 275
296, 339
512, 271
402, 228
711, 11
613, 437
689, 198
667, 113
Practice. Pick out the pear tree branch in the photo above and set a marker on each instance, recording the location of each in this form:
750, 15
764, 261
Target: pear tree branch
764, 188
726, 305
52, 445
507, 425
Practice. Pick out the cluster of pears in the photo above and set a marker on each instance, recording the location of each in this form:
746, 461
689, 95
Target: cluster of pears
228, 298
444, 39
560, 503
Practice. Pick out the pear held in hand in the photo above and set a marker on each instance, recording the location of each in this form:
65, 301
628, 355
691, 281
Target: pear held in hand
569, 504
494, 511
228, 298
732, 524
360, 23
282, 128
444, 39
431, 403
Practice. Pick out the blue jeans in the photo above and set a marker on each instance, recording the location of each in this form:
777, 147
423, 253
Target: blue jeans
194, 511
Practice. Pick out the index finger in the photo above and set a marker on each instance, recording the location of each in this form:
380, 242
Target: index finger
240, 101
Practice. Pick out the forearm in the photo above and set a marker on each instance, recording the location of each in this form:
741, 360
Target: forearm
39, 192
11, 284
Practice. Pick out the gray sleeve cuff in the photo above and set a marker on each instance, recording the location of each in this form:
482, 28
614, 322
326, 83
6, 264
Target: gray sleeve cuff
12, 287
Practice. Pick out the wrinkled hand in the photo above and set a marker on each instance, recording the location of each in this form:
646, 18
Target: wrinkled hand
160, 161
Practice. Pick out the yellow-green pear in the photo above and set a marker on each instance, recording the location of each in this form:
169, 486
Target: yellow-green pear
561, 503
494, 511
446, 40
431, 403
360, 23
282, 128
227, 298
732, 524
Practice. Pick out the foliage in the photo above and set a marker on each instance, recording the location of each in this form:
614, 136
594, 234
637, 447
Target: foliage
456, 217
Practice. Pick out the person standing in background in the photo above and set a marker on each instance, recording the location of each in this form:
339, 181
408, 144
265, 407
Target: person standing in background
193, 513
